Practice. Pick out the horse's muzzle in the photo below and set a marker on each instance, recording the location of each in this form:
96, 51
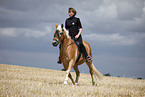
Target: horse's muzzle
55, 42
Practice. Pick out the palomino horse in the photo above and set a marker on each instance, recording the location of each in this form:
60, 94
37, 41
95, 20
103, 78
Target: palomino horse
69, 53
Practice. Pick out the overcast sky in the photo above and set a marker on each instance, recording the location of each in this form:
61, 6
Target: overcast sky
115, 30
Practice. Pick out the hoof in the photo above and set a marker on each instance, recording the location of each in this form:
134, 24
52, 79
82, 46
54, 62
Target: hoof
76, 84
65, 82
93, 84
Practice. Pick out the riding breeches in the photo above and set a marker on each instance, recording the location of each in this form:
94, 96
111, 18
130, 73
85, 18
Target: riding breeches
81, 45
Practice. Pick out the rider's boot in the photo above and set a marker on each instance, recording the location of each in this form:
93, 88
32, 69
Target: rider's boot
87, 57
59, 60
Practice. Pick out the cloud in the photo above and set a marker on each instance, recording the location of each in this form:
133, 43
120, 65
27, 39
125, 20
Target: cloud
26, 32
112, 16
129, 10
106, 11
116, 39
26, 13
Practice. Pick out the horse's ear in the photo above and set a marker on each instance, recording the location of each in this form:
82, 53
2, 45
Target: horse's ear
56, 25
61, 25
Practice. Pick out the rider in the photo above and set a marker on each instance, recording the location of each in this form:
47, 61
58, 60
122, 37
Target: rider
73, 25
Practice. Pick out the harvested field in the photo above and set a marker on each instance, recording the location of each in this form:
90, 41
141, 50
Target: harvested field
18, 81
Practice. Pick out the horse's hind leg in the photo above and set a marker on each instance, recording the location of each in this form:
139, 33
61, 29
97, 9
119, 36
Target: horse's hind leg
77, 74
91, 72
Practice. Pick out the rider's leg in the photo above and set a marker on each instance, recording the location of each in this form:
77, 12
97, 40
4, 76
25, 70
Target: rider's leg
83, 49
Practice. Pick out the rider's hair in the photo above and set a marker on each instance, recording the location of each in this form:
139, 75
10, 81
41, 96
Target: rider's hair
73, 10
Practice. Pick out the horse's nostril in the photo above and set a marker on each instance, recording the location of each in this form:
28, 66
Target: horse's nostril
53, 43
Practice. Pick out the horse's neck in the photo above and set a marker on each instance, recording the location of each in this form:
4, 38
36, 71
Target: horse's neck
65, 42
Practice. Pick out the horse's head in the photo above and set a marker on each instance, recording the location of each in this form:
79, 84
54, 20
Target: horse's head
58, 33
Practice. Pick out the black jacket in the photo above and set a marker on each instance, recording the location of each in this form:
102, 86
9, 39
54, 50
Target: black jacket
73, 25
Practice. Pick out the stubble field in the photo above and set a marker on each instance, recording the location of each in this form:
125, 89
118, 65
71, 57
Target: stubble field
18, 81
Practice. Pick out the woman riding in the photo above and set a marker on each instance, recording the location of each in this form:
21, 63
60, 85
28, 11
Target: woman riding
73, 25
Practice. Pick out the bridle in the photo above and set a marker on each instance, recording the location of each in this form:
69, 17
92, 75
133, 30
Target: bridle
59, 35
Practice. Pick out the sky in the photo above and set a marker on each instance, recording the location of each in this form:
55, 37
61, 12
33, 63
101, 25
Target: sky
115, 29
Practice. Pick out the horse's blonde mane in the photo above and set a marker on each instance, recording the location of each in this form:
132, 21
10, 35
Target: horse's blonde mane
66, 31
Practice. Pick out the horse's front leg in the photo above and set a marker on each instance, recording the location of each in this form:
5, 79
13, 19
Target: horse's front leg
66, 78
71, 64
70, 76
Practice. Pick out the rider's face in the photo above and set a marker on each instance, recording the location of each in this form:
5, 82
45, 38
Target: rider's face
70, 13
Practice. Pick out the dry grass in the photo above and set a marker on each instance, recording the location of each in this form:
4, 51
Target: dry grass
18, 81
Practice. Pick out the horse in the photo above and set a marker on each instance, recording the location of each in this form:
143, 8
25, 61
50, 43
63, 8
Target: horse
69, 53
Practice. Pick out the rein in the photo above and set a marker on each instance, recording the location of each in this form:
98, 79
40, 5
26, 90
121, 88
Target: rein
69, 44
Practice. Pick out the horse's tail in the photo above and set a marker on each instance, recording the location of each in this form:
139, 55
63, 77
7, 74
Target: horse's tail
97, 73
